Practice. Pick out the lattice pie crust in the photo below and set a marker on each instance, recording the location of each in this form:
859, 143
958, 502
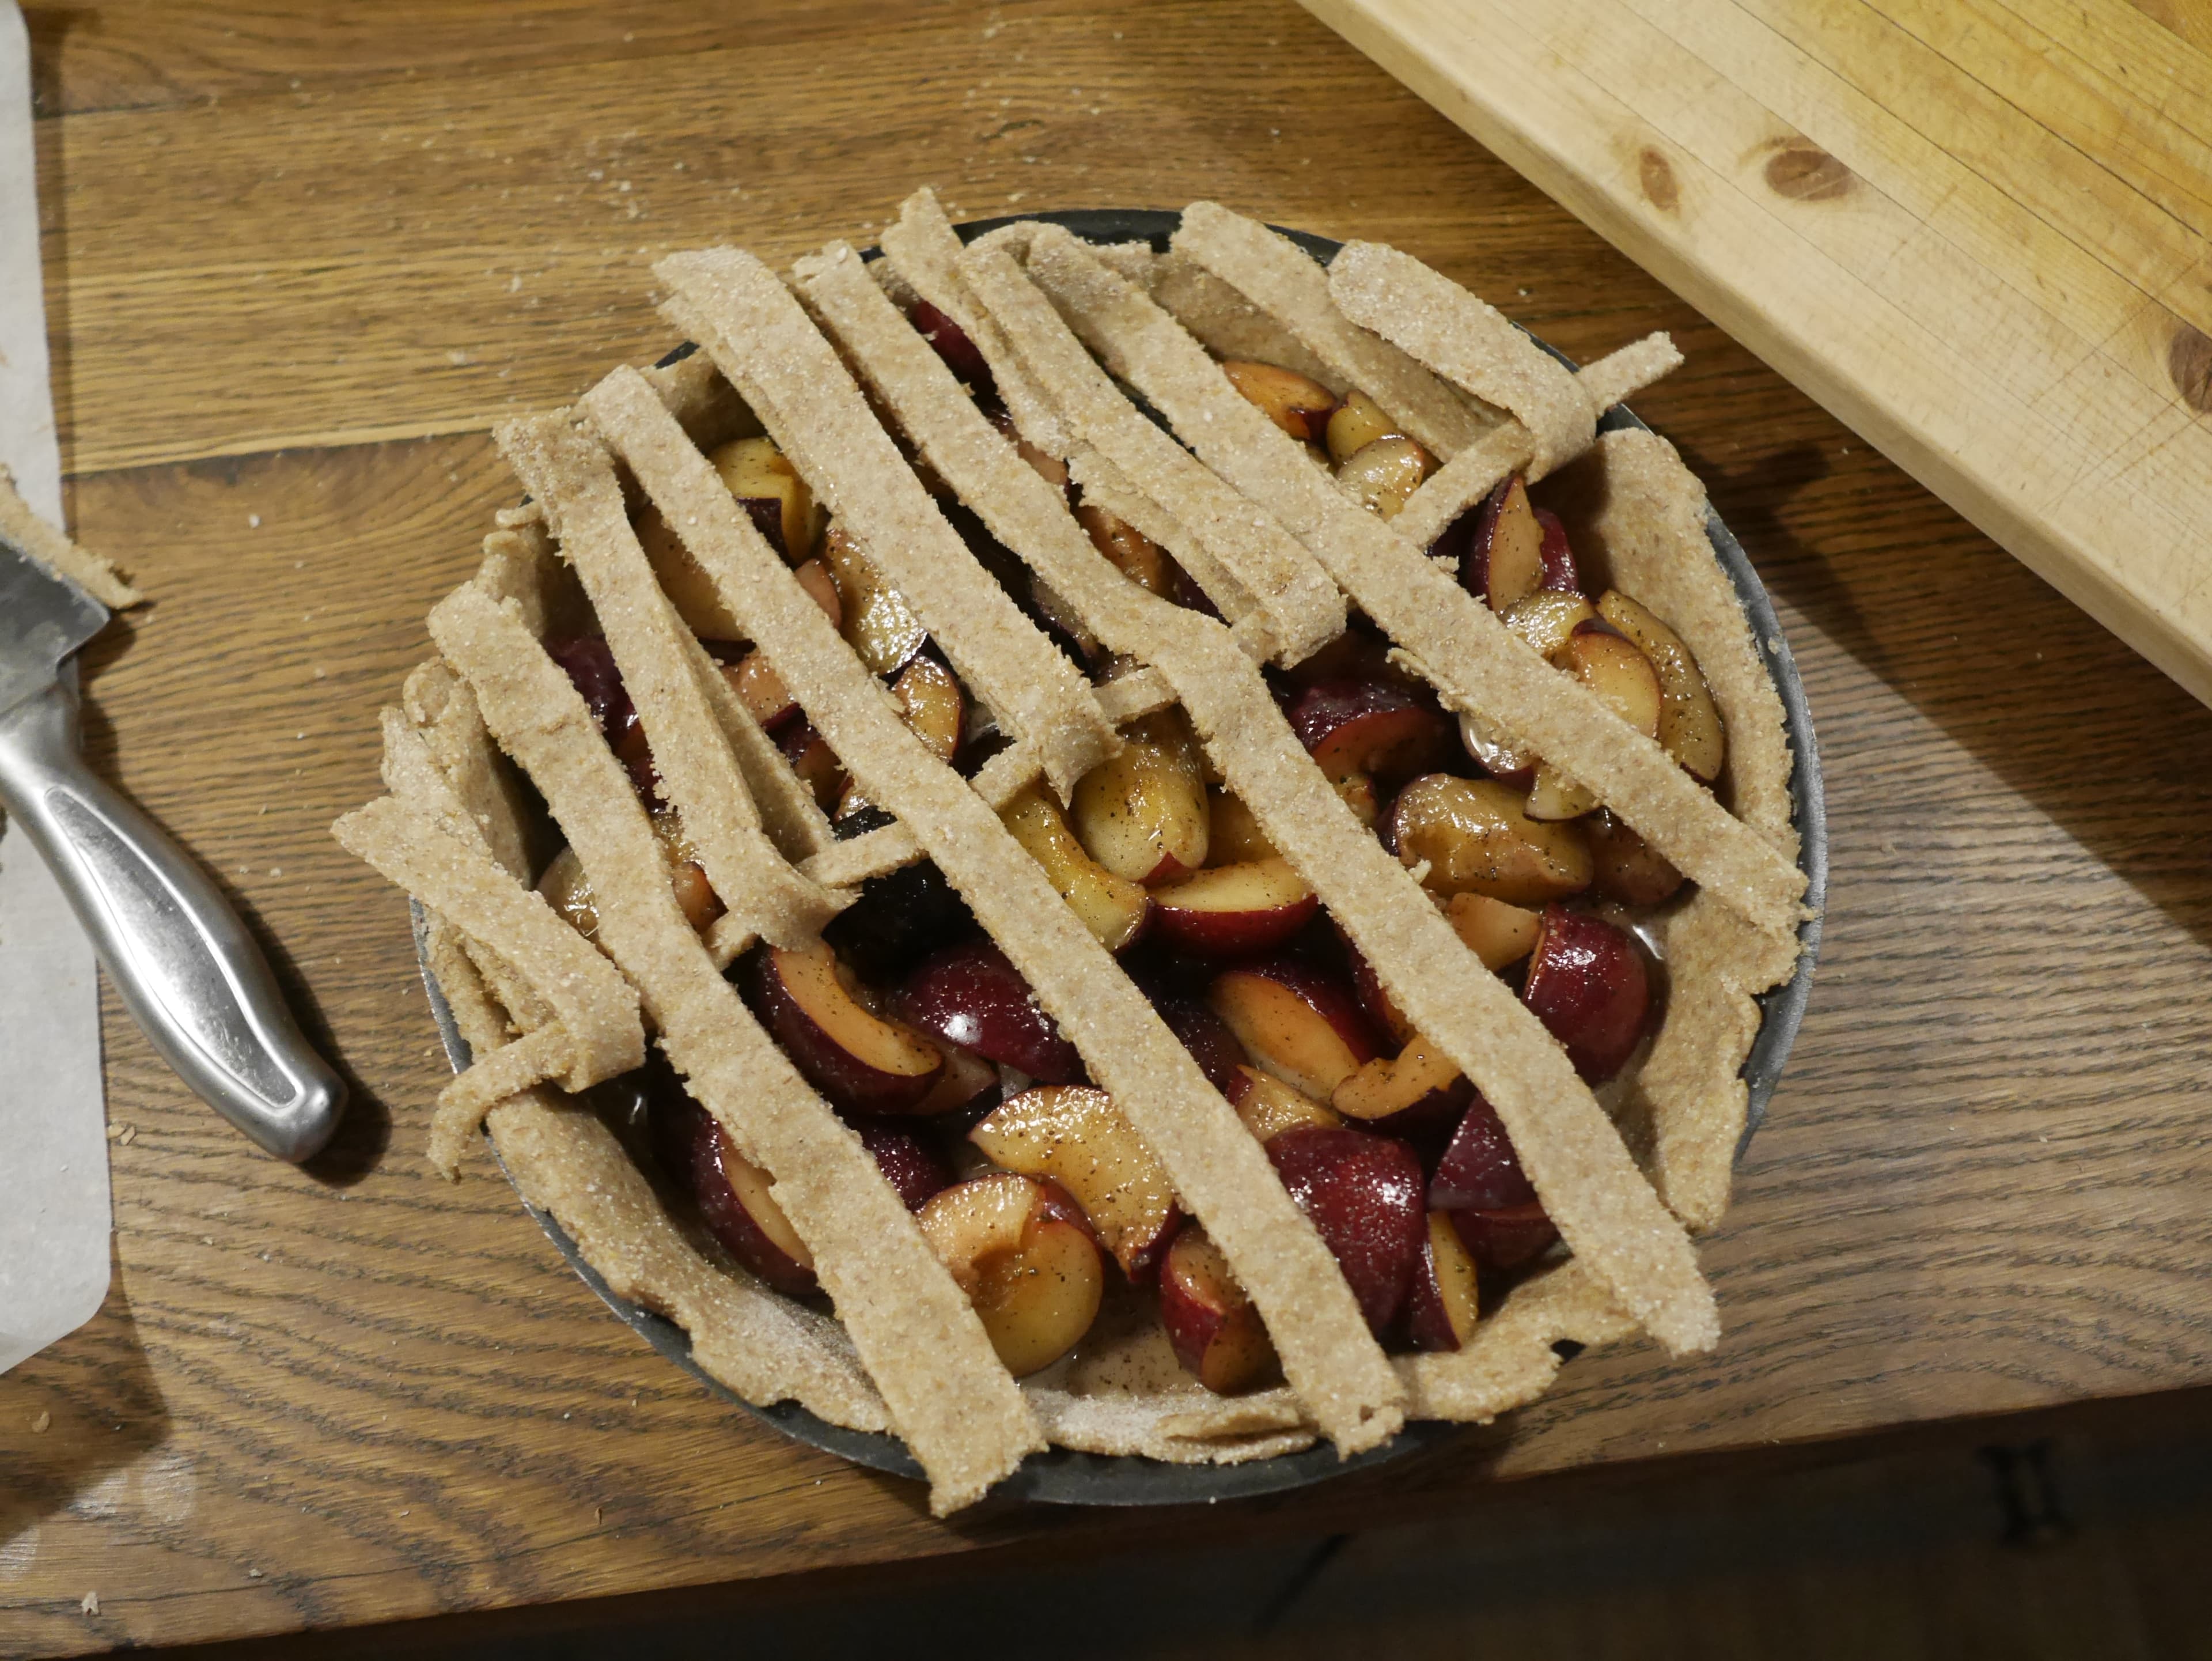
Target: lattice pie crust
826, 363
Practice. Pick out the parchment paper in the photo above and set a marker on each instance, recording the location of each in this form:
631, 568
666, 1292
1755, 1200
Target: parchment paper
53, 1148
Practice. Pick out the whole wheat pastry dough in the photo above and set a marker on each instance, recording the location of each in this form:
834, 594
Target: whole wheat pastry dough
1511, 1361
522, 568
424, 784
1691, 1086
1302, 606
1512, 1357
932, 256
703, 401
997, 782
418, 781
42, 542
789, 814
564, 472
915, 1332
1469, 476
1284, 282
922, 256
1220, 1173
538, 1056
596, 1034
442, 717
742, 315
519, 563
1120, 1392
431, 761
1602, 1205
566, 1162
1124, 1392
1231, 326
1473, 346
1104, 485
1471, 658
920, 247
1648, 524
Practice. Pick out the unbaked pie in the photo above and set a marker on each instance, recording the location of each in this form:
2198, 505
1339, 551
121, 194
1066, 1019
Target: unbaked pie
1196, 846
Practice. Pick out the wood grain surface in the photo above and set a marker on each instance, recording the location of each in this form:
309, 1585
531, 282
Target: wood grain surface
299, 256
1976, 229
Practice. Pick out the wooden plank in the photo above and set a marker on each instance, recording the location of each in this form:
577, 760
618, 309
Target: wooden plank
324, 1399
1975, 232
397, 257
2066, 70
143, 54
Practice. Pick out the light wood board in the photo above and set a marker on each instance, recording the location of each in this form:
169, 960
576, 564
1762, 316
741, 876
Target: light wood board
1974, 229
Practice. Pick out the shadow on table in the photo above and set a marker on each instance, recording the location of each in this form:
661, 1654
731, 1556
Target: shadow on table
1913, 1547
74, 1419
2035, 690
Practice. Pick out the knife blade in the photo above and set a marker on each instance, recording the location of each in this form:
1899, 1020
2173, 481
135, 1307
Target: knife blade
44, 618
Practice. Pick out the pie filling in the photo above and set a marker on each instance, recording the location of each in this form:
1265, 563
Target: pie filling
1042, 1202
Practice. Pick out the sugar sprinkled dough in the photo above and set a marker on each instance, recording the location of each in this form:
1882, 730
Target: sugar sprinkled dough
1302, 605
1472, 658
43, 544
1030, 517
1649, 524
1231, 326
789, 814
698, 765
1469, 476
922, 256
1287, 284
1466, 341
1694, 1068
1654, 515
763, 343
920, 247
598, 1033
1603, 1207
1220, 1173
916, 1334
997, 782
1511, 1360
565, 1161
439, 715
1602, 1196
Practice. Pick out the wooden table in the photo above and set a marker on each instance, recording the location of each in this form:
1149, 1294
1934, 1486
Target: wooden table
299, 256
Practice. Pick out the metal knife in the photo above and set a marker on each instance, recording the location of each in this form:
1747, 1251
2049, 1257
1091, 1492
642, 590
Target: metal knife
188, 971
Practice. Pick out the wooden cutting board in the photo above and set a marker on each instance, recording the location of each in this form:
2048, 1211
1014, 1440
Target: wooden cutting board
1974, 229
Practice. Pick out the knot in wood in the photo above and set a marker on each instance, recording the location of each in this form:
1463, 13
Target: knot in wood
2189, 361
1806, 172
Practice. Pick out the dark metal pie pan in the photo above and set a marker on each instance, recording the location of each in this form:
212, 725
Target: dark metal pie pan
1063, 1476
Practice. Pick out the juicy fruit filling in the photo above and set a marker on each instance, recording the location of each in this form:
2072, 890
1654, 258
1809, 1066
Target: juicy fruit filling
1027, 1180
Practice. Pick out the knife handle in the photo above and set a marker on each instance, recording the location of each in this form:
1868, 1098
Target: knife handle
189, 973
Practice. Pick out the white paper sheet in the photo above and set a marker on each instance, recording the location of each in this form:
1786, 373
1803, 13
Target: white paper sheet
53, 1146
